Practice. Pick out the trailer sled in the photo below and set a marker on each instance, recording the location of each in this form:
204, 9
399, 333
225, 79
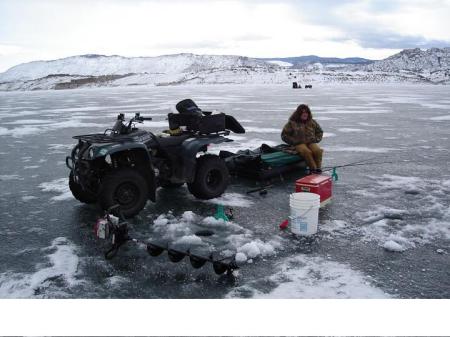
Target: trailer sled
262, 163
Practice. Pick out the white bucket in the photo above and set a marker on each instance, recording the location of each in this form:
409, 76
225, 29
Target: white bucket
304, 213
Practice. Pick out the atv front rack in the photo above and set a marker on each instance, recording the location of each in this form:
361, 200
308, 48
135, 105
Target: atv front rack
116, 230
103, 138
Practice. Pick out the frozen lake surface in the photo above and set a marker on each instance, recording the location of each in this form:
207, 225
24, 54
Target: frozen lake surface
386, 233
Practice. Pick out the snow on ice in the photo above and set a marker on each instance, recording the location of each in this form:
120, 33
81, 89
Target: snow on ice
256, 129
62, 265
28, 197
440, 118
398, 226
305, 276
350, 130
26, 130
231, 199
7, 177
423, 220
233, 238
60, 186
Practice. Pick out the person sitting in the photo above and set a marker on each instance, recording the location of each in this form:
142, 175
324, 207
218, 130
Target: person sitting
304, 133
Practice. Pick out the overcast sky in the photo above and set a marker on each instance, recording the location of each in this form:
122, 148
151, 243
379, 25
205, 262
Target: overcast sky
48, 29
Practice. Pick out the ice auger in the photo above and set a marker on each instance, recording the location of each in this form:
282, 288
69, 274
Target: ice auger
115, 229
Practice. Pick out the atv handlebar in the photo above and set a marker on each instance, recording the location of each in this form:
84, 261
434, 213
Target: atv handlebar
138, 118
122, 129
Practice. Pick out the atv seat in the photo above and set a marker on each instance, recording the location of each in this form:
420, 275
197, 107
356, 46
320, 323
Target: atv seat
165, 142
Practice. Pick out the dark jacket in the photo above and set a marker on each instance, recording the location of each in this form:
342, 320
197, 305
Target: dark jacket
295, 133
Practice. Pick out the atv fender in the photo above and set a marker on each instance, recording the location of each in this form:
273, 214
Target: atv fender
191, 147
110, 149
143, 160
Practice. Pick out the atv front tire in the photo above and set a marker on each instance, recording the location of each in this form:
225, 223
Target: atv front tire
78, 192
124, 187
211, 177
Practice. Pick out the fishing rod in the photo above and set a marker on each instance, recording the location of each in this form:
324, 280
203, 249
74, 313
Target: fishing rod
326, 169
260, 189
357, 163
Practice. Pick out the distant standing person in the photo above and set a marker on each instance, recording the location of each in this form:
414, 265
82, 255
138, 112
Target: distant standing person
304, 133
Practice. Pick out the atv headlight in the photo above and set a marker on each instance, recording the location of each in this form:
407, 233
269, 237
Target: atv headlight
91, 153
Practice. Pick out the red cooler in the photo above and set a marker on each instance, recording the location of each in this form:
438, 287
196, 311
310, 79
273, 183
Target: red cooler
316, 183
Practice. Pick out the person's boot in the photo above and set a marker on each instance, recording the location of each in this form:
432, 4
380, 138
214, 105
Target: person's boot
312, 171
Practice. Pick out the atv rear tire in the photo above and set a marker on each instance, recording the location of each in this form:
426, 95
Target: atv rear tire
211, 177
125, 187
78, 192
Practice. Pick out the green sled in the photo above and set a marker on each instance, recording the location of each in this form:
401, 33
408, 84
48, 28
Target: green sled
277, 159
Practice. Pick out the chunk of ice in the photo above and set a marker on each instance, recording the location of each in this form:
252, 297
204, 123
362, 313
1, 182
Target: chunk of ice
189, 240
393, 246
240, 257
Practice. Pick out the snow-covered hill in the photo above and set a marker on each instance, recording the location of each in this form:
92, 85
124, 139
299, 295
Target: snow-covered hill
414, 60
98, 65
412, 65
432, 64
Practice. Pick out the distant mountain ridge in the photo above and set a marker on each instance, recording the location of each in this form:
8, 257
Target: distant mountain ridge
92, 70
310, 59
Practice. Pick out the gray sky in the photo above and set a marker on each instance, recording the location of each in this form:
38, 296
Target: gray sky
48, 29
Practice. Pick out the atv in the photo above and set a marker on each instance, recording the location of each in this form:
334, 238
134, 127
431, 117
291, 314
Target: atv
125, 165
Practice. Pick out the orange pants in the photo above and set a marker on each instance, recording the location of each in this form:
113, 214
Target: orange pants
312, 154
